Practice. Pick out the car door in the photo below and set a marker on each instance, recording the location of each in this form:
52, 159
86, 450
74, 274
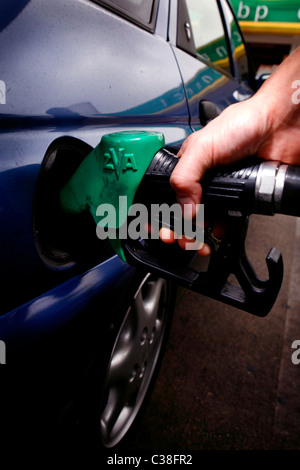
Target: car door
211, 55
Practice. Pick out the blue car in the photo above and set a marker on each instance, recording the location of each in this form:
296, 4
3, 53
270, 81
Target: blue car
81, 332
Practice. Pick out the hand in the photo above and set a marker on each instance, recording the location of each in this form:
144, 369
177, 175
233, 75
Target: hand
268, 125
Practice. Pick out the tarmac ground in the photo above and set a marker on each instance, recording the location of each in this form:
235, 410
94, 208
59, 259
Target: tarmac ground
227, 380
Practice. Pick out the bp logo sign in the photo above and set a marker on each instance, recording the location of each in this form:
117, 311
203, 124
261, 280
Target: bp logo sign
267, 10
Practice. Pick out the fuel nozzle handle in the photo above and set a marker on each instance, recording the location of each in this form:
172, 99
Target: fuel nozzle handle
251, 186
135, 167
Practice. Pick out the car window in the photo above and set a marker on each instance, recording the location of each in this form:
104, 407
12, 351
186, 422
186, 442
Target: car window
208, 32
140, 11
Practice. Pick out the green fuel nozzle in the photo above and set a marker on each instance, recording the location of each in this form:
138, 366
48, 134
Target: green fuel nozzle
135, 166
111, 174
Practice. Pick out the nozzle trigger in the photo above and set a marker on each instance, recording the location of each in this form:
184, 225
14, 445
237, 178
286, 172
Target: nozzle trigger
249, 293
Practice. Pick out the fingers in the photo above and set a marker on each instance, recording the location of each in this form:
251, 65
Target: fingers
187, 187
185, 242
216, 235
186, 176
167, 235
205, 250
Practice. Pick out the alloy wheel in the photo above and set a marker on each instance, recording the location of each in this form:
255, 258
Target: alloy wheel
134, 358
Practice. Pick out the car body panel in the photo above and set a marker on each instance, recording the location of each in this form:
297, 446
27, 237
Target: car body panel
73, 89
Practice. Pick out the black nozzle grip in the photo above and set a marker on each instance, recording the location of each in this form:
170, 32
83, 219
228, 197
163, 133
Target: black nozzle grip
155, 186
231, 187
162, 164
290, 201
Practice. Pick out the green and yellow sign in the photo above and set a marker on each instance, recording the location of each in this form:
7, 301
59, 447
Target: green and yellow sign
268, 16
